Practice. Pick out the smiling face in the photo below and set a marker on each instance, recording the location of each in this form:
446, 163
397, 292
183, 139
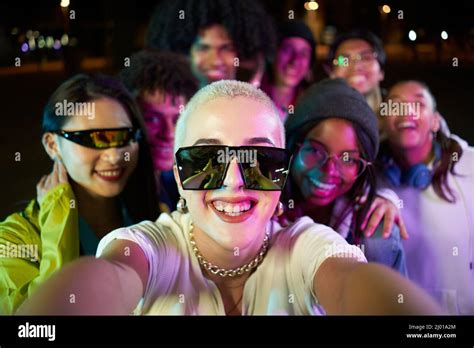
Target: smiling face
364, 74
212, 55
293, 61
160, 112
233, 121
411, 132
321, 186
102, 173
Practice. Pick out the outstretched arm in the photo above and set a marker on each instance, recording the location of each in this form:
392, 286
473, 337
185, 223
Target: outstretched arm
110, 285
345, 286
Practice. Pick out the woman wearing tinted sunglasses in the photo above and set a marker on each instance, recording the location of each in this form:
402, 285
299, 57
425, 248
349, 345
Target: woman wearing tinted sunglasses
102, 179
333, 136
221, 252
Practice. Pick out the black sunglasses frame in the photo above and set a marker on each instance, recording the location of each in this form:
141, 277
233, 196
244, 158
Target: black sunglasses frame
73, 136
288, 159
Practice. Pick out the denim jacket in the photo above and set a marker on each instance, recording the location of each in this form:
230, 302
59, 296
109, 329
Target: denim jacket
388, 251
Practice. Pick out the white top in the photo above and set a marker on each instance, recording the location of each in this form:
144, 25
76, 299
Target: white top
281, 285
439, 252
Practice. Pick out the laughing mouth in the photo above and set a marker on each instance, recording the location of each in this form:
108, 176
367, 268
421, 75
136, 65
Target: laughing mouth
357, 79
110, 173
322, 185
406, 125
292, 72
216, 73
233, 209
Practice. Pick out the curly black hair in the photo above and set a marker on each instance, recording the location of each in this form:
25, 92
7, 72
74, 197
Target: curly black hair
246, 21
164, 71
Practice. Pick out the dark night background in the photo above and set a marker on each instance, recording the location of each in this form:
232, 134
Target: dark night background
104, 32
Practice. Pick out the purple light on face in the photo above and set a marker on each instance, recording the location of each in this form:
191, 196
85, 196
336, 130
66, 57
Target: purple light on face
24, 47
57, 45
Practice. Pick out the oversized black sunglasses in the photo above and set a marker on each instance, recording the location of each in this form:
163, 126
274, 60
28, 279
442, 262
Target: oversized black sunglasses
205, 167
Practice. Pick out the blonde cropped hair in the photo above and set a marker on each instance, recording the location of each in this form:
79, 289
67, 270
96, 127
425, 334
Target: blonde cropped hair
224, 89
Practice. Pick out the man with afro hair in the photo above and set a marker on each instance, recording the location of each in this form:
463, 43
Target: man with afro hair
218, 36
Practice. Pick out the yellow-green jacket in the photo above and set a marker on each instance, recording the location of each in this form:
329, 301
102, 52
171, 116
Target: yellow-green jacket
35, 243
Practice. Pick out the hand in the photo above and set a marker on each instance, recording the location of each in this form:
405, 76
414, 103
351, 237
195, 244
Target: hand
383, 209
50, 181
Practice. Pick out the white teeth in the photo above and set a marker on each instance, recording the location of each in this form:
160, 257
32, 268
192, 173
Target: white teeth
110, 173
406, 124
219, 206
232, 209
322, 185
215, 73
357, 78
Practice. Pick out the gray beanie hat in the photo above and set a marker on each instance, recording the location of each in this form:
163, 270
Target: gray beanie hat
333, 98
